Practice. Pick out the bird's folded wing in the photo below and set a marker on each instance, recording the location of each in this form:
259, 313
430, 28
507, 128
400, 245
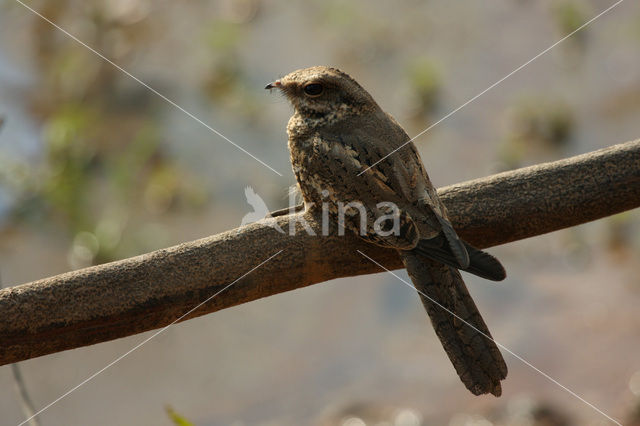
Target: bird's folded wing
399, 177
481, 263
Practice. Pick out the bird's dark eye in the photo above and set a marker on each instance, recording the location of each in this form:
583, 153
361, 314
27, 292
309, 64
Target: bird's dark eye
313, 89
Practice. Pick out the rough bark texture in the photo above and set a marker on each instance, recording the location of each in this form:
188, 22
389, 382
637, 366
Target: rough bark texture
133, 295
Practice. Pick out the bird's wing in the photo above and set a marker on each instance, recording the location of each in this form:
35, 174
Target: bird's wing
355, 145
399, 177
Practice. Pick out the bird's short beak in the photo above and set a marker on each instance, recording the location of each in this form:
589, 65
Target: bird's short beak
273, 85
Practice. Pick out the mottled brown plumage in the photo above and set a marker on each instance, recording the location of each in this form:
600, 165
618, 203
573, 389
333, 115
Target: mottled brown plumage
336, 132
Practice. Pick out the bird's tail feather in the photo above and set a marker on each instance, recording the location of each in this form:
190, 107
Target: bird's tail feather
465, 337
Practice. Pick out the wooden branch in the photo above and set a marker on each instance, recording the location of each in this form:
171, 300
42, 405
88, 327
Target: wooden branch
130, 296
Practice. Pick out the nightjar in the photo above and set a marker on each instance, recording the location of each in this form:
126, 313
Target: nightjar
338, 131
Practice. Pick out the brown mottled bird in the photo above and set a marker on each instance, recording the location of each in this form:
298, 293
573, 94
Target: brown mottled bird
337, 132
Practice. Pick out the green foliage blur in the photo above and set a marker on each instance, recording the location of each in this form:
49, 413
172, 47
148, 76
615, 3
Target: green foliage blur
426, 83
105, 163
176, 418
537, 126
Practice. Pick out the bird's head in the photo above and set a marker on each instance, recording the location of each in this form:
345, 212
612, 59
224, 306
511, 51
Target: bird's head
320, 90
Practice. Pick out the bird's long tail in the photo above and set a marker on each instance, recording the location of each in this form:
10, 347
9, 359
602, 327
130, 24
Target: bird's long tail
464, 336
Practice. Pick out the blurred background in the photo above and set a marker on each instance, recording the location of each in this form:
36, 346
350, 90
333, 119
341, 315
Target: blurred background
94, 167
